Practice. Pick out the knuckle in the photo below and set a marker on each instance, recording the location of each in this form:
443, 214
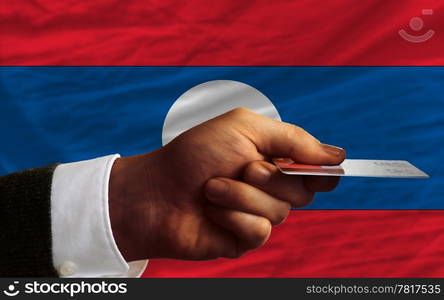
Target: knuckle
281, 215
303, 201
239, 111
295, 131
251, 170
261, 233
218, 190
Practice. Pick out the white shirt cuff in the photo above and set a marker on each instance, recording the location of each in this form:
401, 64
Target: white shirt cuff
82, 239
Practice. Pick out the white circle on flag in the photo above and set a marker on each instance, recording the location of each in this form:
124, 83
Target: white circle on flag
210, 99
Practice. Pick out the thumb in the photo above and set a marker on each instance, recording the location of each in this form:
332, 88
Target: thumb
279, 139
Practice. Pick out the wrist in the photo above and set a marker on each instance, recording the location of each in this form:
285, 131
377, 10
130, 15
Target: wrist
131, 206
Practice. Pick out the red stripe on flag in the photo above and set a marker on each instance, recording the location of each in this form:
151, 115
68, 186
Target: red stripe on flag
334, 243
197, 32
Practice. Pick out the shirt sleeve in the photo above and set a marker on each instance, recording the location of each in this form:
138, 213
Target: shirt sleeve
82, 239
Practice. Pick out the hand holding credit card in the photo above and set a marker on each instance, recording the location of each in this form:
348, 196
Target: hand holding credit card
212, 191
353, 167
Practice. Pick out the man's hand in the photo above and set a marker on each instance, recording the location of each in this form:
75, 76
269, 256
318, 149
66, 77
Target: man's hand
212, 191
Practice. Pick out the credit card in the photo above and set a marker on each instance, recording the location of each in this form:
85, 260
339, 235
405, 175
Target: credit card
353, 167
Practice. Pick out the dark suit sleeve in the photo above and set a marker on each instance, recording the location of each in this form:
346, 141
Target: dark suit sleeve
25, 223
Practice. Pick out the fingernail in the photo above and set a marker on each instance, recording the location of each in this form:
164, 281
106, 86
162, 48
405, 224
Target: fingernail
259, 176
332, 150
216, 188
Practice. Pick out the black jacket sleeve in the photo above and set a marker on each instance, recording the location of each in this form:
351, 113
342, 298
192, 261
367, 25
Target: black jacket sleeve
25, 223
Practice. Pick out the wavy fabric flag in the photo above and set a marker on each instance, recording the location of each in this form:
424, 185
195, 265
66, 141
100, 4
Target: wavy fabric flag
84, 79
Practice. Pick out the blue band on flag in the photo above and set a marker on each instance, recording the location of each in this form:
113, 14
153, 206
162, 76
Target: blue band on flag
64, 114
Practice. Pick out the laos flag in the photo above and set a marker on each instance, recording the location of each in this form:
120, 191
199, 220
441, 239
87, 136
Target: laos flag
82, 79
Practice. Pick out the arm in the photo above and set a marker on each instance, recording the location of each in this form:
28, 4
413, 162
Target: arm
210, 193
25, 223
55, 222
